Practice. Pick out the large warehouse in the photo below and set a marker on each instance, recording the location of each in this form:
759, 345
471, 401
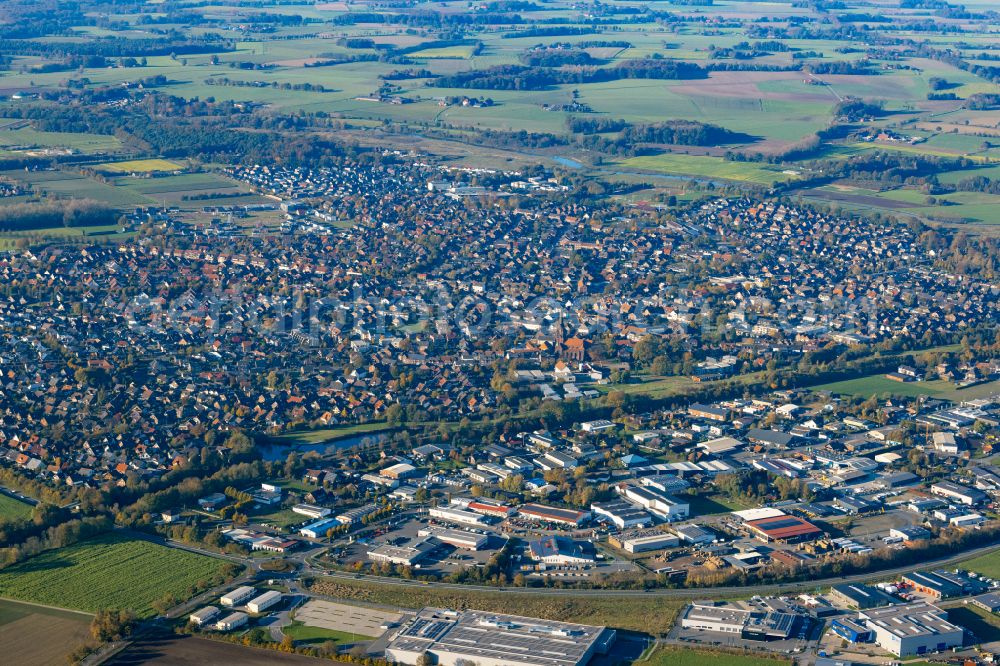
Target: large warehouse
910, 629
452, 638
783, 528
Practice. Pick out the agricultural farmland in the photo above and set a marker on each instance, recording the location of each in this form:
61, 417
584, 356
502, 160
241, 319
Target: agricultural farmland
140, 166
40, 636
112, 571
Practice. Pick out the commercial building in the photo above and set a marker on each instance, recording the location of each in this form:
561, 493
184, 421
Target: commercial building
751, 624
203, 616
399, 471
551, 514
560, 551
237, 596
851, 631
643, 541
264, 601
621, 514
452, 638
456, 538
860, 596
318, 529
356, 515
232, 621
957, 493
311, 511
720, 619
459, 516
912, 629
989, 602
708, 412
407, 555
783, 528
910, 533
933, 585
695, 534
657, 502
488, 508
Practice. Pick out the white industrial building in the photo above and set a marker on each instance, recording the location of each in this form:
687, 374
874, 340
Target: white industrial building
311, 510
203, 616
715, 618
453, 638
657, 502
644, 541
460, 516
912, 629
457, 538
621, 514
407, 555
264, 601
232, 621
237, 596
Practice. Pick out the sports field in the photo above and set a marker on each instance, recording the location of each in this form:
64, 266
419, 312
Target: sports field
111, 571
13, 509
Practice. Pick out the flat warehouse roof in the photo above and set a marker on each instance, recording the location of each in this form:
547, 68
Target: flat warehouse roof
784, 527
508, 638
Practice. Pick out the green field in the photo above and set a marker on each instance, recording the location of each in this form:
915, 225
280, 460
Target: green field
678, 656
30, 140
987, 565
141, 166
985, 625
704, 505
305, 634
881, 385
111, 571
651, 614
13, 509
703, 166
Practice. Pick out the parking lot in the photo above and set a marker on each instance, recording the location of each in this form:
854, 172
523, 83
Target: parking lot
348, 619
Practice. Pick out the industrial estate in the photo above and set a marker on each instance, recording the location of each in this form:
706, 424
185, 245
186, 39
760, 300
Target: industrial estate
513, 333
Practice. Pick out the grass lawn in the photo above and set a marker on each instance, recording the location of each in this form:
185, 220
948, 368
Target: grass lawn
985, 625
879, 384
987, 565
110, 571
648, 615
13, 509
678, 656
706, 167
702, 505
306, 634
463, 51
327, 434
